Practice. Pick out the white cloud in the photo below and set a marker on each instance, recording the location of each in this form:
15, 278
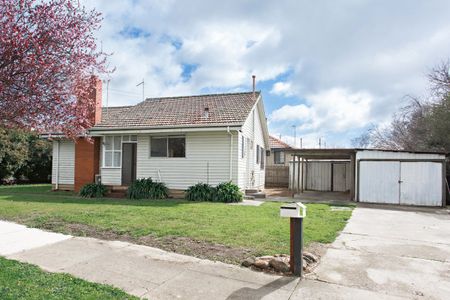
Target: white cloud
333, 110
351, 62
282, 88
299, 112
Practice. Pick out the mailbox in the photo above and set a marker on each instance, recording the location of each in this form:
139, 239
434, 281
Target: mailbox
294, 210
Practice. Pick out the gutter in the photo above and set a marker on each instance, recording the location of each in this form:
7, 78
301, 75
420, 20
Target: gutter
100, 132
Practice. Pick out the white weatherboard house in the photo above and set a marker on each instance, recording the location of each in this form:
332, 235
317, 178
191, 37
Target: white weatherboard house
180, 141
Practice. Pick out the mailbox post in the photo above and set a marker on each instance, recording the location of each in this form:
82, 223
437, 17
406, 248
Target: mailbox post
296, 212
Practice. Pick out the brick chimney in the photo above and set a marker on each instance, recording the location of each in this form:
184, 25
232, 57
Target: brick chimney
87, 152
96, 95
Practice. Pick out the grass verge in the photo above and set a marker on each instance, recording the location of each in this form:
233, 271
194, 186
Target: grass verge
25, 281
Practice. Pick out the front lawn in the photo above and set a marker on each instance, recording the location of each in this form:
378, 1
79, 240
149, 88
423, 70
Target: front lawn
25, 281
258, 229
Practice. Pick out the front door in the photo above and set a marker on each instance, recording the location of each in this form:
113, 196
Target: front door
128, 163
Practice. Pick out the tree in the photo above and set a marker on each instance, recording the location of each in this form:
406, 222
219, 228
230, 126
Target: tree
422, 124
48, 55
24, 156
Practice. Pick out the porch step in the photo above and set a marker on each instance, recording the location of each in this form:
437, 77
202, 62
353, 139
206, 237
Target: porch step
247, 197
258, 195
251, 191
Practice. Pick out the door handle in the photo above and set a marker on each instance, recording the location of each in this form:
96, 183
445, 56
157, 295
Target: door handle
400, 181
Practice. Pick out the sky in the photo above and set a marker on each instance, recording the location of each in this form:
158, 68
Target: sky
326, 69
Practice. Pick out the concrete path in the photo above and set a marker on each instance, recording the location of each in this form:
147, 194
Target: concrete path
381, 254
385, 254
139, 270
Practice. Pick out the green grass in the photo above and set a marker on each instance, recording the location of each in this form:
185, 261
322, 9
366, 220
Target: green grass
24, 281
257, 228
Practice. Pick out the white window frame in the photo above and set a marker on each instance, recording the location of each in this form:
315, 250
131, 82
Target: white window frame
243, 146
167, 137
112, 151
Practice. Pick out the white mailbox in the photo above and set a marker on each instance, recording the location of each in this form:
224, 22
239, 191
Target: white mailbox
294, 210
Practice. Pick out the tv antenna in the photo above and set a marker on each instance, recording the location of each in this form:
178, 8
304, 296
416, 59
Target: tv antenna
143, 88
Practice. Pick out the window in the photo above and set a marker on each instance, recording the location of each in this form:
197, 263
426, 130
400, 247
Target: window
242, 146
112, 151
262, 158
168, 147
278, 157
257, 154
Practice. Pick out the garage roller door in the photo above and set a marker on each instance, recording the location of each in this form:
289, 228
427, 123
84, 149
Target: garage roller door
401, 182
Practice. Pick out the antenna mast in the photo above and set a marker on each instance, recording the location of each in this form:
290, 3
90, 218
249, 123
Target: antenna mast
143, 88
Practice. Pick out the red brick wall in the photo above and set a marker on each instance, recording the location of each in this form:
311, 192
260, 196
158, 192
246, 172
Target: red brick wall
95, 94
87, 160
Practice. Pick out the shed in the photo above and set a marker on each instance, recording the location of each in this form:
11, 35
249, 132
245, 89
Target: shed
371, 175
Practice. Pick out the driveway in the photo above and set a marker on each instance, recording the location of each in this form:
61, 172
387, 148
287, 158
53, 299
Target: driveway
385, 253
381, 254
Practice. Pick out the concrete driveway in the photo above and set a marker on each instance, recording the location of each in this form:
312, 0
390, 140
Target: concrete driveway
381, 254
385, 254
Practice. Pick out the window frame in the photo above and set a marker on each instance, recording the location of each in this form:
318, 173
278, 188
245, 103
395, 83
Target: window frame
258, 154
280, 155
112, 151
242, 146
262, 158
167, 137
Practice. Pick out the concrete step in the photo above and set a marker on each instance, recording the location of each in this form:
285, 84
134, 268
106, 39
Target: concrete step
247, 197
251, 191
258, 195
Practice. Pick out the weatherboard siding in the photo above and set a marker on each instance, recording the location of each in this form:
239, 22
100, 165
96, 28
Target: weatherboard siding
66, 165
252, 129
207, 160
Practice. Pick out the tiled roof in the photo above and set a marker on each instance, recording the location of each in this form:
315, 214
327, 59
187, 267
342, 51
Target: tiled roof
223, 109
277, 143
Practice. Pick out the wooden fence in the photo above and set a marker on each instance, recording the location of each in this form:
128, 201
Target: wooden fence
277, 176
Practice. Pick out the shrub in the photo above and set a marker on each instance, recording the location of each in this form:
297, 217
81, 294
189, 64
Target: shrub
228, 192
200, 192
145, 188
93, 190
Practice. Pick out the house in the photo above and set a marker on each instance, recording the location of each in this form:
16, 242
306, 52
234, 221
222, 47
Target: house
277, 170
277, 154
180, 141
370, 175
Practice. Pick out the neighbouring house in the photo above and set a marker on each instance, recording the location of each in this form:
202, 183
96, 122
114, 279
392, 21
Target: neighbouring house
277, 169
180, 141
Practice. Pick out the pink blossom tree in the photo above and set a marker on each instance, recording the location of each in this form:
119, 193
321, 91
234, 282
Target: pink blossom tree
48, 60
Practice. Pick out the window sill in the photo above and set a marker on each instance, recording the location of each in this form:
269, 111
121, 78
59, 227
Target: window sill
111, 168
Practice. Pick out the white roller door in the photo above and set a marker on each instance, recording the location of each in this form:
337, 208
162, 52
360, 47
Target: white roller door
401, 182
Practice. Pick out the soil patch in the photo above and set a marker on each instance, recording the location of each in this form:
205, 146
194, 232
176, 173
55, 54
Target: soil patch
181, 245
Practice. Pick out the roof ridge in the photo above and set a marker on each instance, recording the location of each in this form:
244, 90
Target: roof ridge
201, 95
280, 141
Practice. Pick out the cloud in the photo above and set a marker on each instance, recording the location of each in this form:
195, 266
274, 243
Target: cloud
333, 110
349, 63
282, 88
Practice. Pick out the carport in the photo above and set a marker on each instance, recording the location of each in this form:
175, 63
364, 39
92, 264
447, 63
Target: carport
323, 173
369, 175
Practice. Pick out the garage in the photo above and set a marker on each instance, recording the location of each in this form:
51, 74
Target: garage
402, 178
369, 176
